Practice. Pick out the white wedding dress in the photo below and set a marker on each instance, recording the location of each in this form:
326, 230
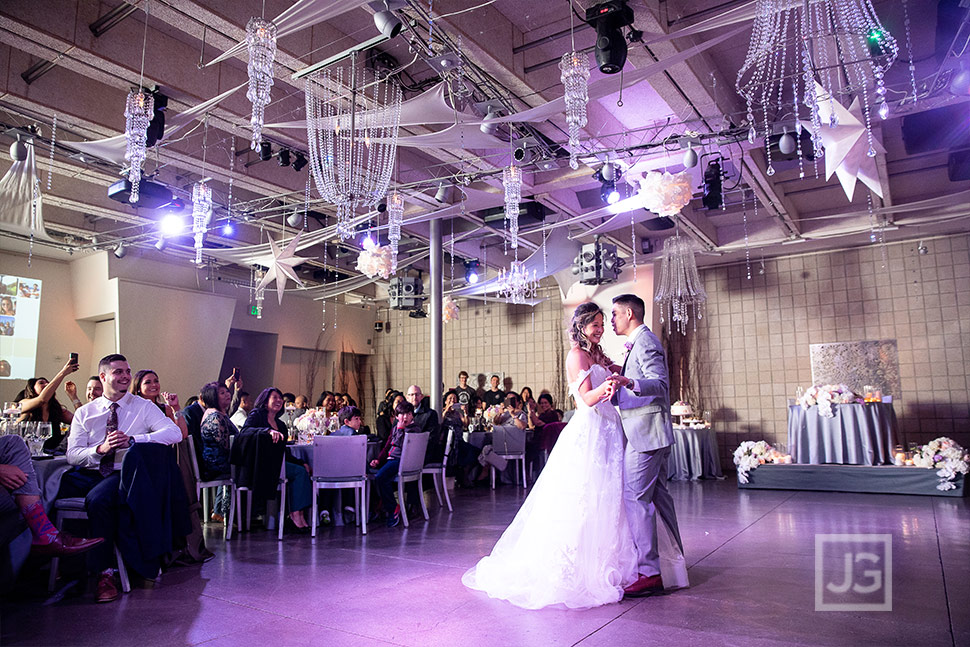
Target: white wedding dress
570, 543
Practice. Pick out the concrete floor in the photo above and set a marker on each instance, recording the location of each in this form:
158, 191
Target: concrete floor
752, 569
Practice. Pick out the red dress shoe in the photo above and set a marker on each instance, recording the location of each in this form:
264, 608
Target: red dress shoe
645, 585
65, 544
107, 590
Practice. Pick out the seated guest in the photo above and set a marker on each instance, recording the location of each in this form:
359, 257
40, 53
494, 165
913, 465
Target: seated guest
547, 411
215, 430
21, 492
39, 404
389, 460
493, 395
145, 384
302, 403
453, 420
425, 418
242, 412
267, 417
451, 401
385, 414
101, 433
350, 422
92, 391
513, 413
527, 397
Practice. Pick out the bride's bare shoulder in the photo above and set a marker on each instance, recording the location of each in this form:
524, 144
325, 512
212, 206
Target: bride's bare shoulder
577, 360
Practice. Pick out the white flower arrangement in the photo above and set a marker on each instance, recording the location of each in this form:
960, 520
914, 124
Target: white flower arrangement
316, 421
749, 455
665, 193
493, 411
375, 261
945, 456
825, 396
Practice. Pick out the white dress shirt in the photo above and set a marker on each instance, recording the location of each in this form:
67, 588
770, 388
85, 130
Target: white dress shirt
139, 418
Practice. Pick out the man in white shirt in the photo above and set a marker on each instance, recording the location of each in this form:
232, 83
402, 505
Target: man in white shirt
101, 433
245, 406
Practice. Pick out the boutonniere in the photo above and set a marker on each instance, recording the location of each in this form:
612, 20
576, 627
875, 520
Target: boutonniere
627, 346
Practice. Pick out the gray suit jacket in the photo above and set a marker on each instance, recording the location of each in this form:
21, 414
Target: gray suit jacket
646, 417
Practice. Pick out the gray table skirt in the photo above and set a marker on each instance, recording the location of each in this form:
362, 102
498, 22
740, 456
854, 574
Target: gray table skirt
694, 455
858, 434
49, 472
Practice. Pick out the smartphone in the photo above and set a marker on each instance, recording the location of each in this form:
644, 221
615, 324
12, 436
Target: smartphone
73, 358
235, 372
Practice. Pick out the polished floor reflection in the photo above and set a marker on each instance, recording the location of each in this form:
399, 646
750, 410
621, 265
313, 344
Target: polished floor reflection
752, 568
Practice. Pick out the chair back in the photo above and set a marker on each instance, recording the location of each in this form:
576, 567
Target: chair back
449, 439
508, 439
550, 434
194, 458
412, 453
339, 457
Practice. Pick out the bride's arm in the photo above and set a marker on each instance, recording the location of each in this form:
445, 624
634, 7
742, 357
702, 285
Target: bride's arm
578, 361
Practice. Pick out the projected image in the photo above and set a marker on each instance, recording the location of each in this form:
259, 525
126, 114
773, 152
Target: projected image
19, 325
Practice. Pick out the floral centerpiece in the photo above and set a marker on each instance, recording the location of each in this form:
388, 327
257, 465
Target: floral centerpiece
825, 396
492, 412
749, 455
313, 422
946, 457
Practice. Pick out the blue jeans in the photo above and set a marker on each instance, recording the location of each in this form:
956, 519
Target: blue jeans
299, 488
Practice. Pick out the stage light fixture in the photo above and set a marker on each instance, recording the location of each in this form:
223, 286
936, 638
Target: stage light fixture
608, 174
712, 186
171, 225
608, 18
441, 195
284, 157
228, 229
472, 269
299, 161
162, 242
265, 151
120, 250
18, 151
786, 144
295, 219
385, 18
489, 127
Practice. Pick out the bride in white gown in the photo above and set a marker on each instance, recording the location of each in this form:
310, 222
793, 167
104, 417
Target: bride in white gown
570, 543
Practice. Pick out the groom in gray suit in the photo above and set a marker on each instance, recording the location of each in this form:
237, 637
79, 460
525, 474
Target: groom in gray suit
644, 405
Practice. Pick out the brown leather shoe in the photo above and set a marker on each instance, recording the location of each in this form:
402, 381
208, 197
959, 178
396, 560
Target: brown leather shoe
645, 585
64, 545
107, 590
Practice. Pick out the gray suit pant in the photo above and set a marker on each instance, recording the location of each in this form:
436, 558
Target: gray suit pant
645, 495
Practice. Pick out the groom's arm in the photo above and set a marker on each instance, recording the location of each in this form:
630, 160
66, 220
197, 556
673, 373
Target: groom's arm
653, 367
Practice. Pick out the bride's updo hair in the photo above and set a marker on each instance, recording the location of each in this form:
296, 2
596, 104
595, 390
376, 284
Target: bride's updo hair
584, 314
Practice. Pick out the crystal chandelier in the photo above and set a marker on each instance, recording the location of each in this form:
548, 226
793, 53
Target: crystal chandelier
575, 77
395, 215
259, 292
352, 137
839, 44
201, 215
139, 109
512, 181
517, 284
261, 41
680, 289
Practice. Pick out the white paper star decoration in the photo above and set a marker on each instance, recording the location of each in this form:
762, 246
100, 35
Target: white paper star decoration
847, 144
282, 266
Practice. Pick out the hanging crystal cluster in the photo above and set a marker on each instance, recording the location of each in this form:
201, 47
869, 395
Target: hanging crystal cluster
352, 137
575, 79
517, 284
839, 44
201, 215
139, 109
395, 216
680, 290
260, 292
261, 42
512, 181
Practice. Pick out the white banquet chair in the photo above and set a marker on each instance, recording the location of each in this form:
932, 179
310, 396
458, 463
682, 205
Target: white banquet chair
437, 472
340, 462
508, 442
